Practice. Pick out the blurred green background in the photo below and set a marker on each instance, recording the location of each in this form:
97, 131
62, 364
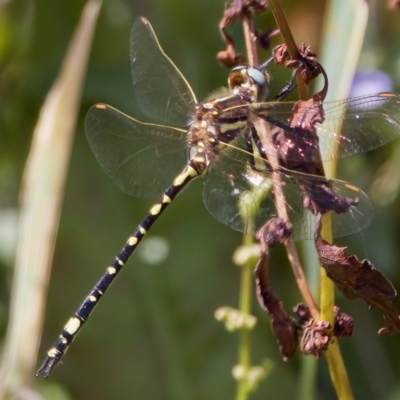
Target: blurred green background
154, 335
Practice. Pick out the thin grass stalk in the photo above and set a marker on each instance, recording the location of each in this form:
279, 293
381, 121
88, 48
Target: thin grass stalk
244, 346
41, 198
340, 53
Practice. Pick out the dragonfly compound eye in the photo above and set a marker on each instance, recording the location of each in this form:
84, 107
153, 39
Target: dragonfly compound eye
260, 80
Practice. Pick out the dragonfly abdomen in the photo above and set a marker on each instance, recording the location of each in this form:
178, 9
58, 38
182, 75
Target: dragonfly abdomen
194, 168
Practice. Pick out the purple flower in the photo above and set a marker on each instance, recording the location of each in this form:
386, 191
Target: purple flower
368, 81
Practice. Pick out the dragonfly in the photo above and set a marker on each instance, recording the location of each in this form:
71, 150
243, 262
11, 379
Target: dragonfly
217, 139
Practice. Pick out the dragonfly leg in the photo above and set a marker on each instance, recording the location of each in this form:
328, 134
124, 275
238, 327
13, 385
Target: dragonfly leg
265, 64
291, 85
254, 138
250, 139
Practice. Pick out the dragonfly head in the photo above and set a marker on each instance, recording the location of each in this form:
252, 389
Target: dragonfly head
250, 83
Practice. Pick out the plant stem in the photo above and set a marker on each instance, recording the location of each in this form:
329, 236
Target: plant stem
244, 357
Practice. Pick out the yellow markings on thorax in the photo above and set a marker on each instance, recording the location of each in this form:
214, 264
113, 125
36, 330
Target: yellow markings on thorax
199, 159
188, 172
72, 325
232, 126
255, 106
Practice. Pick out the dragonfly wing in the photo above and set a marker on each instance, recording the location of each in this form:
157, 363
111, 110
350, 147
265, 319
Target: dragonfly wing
359, 124
236, 195
244, 199
161, 91
358, 217
142, 159
347, 223
351, 126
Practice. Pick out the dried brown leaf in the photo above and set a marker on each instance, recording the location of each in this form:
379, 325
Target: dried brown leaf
394, 4
316, 335
315, 339
264, 39
236, 9
321, 198
283, 326
343, 323
273, 232
307, 61
359, 279
229, 58
301, 142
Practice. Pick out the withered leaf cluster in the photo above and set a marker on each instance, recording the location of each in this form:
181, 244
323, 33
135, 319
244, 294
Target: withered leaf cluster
315, 334
293, 144
236, 9
309, 66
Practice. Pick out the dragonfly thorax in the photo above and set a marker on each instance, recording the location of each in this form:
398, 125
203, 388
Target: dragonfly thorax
215, 124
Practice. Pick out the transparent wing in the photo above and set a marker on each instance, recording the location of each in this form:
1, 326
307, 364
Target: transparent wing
365, 123
161, 91
351, 126
142, 159
244, 199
